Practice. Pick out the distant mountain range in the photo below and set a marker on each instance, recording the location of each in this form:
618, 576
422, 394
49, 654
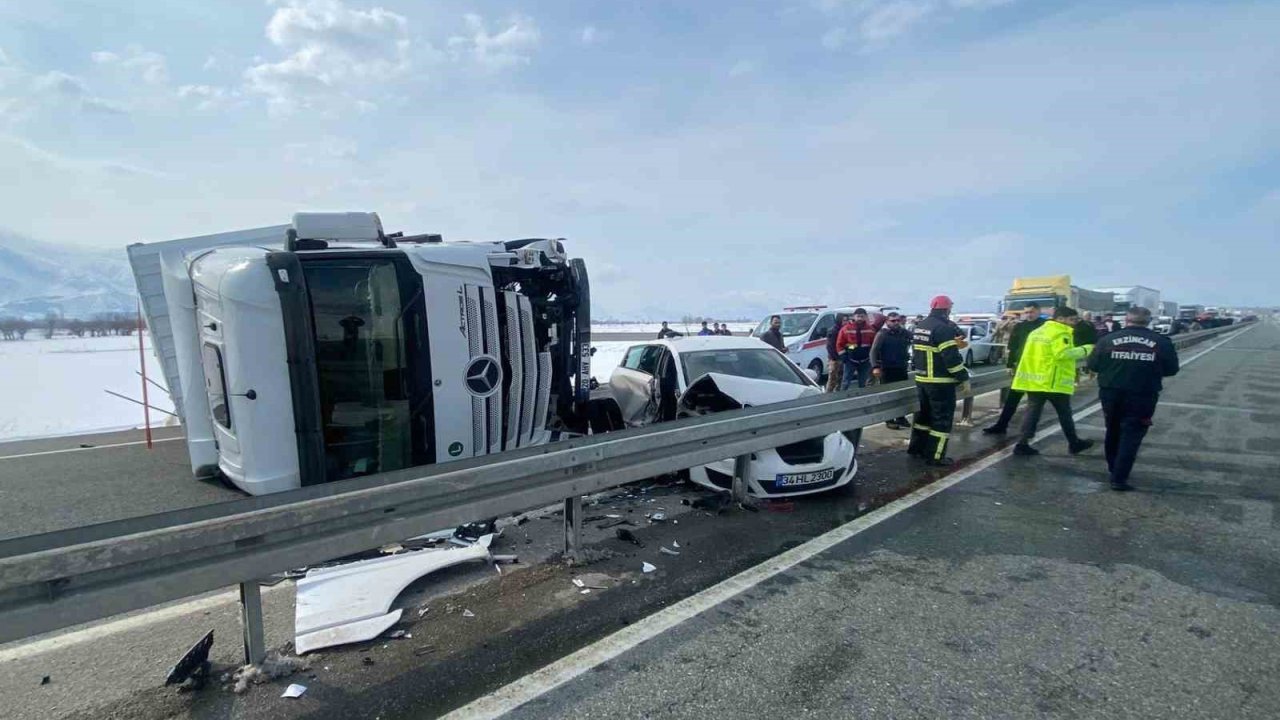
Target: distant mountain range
38, 278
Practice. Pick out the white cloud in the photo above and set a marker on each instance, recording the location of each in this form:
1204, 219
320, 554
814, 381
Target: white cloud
592, 35
58, 83
506, 48
148, 65
333, 49
210, 63
978, 4
742, 67
835, 38
893, 19
207, 97
102, 106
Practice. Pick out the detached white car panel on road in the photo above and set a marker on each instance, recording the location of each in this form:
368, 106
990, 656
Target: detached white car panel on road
653, 385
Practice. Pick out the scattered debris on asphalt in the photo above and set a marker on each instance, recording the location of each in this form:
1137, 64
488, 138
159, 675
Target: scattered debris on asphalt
668, 551
656, 517
675, 544
468, 613
423, 610
366, 660
584, 591
579, 583
611, 523
626, 535
648, 568
274, 667
400, 634
193, 666
293, 691
424, 650
594, 581
46, 680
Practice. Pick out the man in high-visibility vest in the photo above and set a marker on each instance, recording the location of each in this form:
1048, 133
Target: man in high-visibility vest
1047, 373
940, 373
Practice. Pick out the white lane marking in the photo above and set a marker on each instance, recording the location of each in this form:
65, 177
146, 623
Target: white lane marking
105, 630
84, 449
1197, 406
540, 682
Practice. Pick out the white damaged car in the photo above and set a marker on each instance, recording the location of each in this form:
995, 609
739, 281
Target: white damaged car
668, 379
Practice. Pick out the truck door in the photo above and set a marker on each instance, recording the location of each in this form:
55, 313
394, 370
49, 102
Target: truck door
213, 356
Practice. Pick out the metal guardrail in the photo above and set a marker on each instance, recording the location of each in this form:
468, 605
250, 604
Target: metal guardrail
56, 580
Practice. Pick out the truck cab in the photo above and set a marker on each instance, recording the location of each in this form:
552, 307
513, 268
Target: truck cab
327, 349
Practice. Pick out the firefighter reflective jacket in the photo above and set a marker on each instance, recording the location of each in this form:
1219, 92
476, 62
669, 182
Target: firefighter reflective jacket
934, 352
1048, 362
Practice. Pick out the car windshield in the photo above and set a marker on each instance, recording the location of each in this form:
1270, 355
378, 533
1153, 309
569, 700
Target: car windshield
792, 324
757, 364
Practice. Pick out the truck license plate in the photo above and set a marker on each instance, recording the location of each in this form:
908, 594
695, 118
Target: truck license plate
808, 478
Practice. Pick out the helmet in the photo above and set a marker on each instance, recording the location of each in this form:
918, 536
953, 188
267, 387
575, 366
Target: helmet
940, 302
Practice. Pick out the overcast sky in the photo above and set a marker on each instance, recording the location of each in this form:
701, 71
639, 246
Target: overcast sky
702, 156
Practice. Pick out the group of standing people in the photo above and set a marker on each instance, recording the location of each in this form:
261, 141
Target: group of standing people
1130, 363
666, 332
1043, 354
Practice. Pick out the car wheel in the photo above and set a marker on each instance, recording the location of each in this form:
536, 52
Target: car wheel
818, 367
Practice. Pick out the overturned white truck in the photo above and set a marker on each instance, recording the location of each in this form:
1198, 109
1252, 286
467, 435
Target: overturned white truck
327, 349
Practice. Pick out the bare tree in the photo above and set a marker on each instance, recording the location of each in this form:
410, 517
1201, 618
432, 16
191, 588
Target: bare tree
7, 326
50, 325
21, 326
76, 327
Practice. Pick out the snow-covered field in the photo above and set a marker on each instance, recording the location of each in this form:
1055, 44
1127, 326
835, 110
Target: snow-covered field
653, 327
56, 387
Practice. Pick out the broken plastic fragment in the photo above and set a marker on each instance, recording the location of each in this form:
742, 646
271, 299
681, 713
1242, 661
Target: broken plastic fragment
675, 544
646, 567
585, 591
468, 613
294, 690
352, 602
423, 610
668, 551
579, 583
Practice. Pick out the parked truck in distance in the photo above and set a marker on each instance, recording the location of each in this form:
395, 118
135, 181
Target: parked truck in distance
1051, 291
327, 349
1125, 298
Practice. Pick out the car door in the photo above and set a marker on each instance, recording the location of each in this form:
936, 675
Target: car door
980, 343
634, 385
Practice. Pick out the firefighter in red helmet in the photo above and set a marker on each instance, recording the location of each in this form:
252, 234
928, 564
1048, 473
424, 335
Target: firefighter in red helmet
940, 373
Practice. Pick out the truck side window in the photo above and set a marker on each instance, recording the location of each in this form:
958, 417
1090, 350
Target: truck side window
215, 381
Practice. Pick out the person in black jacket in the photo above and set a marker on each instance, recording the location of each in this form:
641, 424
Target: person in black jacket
667, 332
1084, 333
1031, 321
773, 336
940, 376
890, 353
1131, 364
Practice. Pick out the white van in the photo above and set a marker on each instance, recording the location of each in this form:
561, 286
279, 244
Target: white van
805, 329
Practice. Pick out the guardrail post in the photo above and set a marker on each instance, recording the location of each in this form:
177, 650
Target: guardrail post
966, 412
255, 636
741, 466
573, 528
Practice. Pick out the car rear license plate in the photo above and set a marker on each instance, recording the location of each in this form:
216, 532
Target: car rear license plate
808, 478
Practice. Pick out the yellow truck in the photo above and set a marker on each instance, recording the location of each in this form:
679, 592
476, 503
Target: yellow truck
1050, 291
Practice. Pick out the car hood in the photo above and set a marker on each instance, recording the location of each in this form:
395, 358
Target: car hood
715, 392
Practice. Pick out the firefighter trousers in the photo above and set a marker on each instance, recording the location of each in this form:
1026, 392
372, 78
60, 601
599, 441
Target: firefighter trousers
932, 426
1128, 417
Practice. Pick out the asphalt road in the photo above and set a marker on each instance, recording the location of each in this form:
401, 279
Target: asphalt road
1027, 590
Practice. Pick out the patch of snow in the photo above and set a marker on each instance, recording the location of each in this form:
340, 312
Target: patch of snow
654, 327
55, 387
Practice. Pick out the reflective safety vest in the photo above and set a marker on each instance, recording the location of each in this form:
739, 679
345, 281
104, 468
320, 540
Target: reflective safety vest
1048, 361
935, 354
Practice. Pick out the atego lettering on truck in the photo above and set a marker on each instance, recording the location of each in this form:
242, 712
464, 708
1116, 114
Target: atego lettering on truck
326, 349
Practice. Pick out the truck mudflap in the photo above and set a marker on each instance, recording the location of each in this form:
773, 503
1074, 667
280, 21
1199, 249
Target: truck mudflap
304, 383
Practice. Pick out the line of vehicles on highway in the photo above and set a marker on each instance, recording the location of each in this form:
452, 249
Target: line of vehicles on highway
329, 349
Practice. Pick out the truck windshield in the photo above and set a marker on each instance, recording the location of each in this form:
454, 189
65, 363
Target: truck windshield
370, 339
1046, 302
792, 324
762, 364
